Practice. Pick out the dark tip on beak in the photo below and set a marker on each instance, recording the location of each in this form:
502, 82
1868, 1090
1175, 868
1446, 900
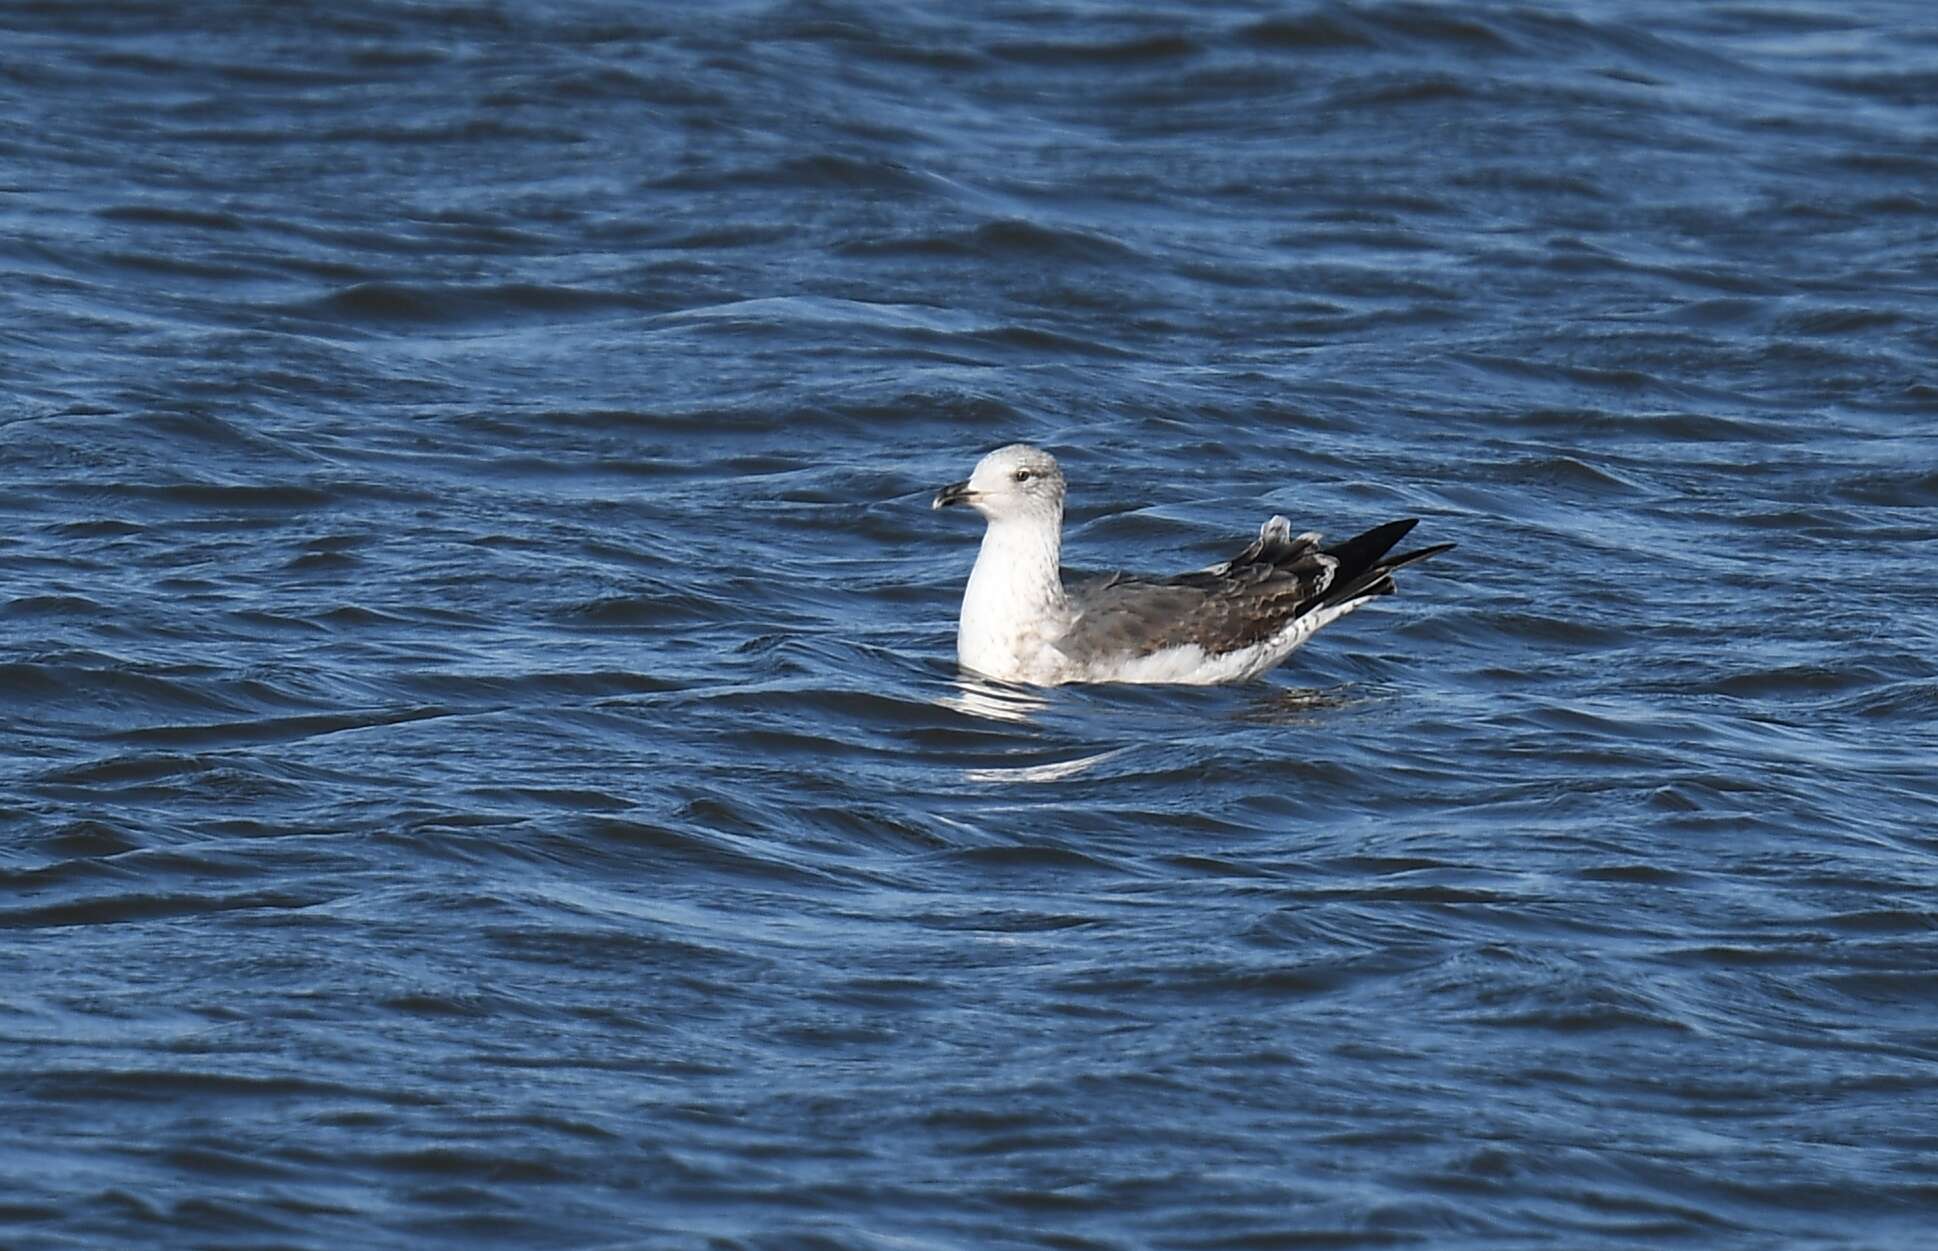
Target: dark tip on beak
955, 493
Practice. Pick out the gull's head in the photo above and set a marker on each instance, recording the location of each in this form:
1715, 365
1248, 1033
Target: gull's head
1013, 483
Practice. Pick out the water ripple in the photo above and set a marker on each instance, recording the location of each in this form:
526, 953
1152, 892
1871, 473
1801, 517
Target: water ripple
484, 762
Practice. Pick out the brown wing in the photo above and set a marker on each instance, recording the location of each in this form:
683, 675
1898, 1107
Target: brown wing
1230, 606
1240, 602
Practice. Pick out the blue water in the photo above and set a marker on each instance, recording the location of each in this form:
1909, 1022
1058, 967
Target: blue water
482, 761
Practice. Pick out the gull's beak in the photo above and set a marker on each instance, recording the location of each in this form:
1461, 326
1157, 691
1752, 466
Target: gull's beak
956, 493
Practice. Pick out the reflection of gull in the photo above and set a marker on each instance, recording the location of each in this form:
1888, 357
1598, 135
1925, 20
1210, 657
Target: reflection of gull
1227, 623
1053, 771
1292, 705
996, 703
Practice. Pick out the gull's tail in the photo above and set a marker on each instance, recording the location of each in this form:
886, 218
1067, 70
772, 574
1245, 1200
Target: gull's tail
1365, 569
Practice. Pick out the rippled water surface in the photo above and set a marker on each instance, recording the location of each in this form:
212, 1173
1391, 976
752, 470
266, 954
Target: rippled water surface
483, 763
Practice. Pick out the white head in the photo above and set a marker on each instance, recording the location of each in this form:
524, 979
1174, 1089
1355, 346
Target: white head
1014, 483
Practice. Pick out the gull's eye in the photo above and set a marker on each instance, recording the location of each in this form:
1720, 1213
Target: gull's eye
1021, 475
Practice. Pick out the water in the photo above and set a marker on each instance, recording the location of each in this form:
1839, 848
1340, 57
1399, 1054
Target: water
483, 763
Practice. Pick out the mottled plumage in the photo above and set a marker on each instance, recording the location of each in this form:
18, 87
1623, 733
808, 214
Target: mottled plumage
1226, 623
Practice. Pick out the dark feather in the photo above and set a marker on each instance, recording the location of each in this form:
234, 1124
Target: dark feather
1239, 603
1364, 567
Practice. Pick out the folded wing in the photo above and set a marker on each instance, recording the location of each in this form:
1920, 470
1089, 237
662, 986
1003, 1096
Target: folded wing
1238, 603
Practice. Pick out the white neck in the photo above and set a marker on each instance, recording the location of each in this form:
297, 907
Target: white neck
1014, 604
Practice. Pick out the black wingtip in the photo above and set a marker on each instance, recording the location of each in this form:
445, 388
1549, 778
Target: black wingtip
1407, 558
1366, 570
1362, 551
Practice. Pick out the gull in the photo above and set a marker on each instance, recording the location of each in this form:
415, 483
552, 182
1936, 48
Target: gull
1226, 623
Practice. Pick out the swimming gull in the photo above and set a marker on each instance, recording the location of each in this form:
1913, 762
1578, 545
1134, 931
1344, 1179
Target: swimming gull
1227, 623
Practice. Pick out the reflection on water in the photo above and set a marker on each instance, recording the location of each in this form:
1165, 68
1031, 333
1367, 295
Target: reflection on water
1263, 703
983, 697
1280, 705
1050, 771
1148, 714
